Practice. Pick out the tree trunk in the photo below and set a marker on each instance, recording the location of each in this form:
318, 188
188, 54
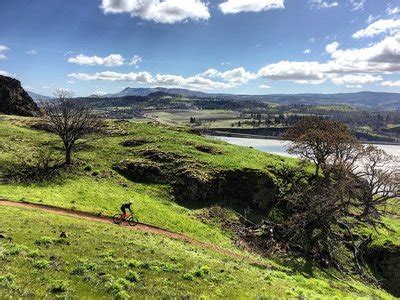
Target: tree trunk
68, 156
68, 152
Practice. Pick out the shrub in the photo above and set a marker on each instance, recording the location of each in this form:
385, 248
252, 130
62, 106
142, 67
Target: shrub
45, 241
132, 276
40, 264
35, 254
202, 271
58, 287
188, 276
122, 295
132, 263
6, 280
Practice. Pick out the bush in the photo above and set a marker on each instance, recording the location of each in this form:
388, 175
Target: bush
41, 264
58, 287
202, 271
132, 263
35, 254
132, 276
6, 280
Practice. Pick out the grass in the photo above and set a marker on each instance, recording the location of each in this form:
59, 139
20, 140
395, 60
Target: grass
101, 260
101, 190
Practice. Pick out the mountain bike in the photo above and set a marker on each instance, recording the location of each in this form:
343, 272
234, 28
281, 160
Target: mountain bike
130, 218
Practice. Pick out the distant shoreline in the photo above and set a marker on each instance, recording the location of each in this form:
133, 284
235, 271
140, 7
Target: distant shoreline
261, 137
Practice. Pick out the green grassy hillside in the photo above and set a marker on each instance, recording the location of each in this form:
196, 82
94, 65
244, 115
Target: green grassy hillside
105, 260
99, 260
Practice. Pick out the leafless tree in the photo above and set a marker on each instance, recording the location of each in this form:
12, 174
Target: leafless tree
71, 120
379, 174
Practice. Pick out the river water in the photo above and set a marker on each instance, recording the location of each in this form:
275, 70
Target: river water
279, 146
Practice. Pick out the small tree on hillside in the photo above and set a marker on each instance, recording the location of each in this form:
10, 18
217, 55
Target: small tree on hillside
71, 120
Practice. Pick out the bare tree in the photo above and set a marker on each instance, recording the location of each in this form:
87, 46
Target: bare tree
379, 174
71, 120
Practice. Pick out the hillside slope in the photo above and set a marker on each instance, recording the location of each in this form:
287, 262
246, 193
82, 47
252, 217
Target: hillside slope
115, 261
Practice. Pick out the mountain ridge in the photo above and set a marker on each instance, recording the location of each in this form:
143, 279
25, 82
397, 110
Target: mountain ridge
367, 99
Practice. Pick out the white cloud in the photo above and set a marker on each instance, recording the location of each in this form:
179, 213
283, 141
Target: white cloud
112, 60
332, 47
307, 51
318, 4
372, 18
265, 86
351, 79
237, 75
381, 26
160, 11
2, 56
238, 6
357, 4
358, 86
136, 59
31, 52
379, 58
195, 82
391, 83
299, 72
5, 73
392, 10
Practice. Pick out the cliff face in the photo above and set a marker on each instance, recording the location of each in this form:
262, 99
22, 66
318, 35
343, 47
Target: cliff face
14, 100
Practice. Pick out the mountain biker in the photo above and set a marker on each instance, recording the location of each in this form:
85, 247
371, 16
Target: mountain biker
126, 206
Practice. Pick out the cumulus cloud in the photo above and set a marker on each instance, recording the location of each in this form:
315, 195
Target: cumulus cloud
265, 86
381, 26
299, 72
2, 57
113, 60
194, 82
379, 58
307, 51
332, 47
351, 79
391, 83
318, 4
238, 6
237, 75
160, 11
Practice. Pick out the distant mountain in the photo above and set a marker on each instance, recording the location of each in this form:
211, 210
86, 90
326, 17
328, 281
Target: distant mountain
146, 91
374, 100
38, 97
14, 100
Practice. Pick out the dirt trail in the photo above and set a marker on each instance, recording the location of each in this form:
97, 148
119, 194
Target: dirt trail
139, 226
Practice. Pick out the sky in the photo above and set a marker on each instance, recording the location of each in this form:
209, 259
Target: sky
229, 46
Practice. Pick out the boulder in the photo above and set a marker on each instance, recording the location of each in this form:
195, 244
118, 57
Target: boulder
14, 100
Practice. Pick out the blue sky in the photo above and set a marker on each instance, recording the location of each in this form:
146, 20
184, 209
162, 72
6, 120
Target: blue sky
232, 46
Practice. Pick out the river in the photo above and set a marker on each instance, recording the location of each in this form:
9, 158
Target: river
279, 146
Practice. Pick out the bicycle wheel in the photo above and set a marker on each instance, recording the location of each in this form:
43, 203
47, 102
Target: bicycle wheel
132, 220
117, 218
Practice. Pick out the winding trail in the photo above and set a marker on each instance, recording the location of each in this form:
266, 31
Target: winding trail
139, 226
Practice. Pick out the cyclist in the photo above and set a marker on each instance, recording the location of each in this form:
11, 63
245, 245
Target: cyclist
126, 206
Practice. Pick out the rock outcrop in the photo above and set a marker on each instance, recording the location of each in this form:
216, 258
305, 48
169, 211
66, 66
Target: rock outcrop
199, 184
14, 100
